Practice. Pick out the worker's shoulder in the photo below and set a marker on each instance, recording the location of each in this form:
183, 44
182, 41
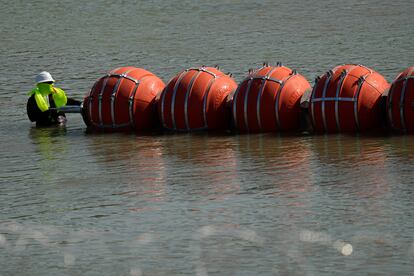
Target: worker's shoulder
33, 91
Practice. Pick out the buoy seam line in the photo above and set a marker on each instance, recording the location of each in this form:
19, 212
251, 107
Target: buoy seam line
115, 91
90, 101
259, 97
187, 95
203, 69
246, 95
329, 99
236, 93
361, 80
131, 98
311, 100
131, 104
263, 78
163, 93
279, 92
401, 104
325, 88
399, 78
402, 115
177, 84
205, 98
116, 87
105, 81
390, 101
343, 76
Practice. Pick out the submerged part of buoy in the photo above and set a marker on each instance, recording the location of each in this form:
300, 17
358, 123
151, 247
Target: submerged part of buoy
196, 99
124, 99
400, 102
269, 100
347, 99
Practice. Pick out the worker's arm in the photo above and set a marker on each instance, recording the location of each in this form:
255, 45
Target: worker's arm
59, 97
40, 101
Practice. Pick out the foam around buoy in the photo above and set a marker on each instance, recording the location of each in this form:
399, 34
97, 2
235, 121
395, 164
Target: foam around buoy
269, 100
123, 100
195, 99
347, 99
400, 102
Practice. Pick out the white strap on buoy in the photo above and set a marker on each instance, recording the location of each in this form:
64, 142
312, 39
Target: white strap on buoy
259, 96
131, 99
187, 94
402, 99
121, 77
246, 95
325, 88
278, 93
338, 91
205, 98
174, 95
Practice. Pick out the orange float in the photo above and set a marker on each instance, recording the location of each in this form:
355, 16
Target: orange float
269, 100
400, 102
123, 100
347, 99
196, 99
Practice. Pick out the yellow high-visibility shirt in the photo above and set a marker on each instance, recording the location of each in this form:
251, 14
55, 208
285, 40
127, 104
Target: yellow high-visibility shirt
41, 94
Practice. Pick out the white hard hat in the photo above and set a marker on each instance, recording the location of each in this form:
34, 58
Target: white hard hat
44, 77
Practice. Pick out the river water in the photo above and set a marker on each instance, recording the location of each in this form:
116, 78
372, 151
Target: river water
76, 203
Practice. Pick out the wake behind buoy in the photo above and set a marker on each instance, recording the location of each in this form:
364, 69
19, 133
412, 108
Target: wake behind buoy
269, 100
400, 102
195, 99
347, 99
123, 100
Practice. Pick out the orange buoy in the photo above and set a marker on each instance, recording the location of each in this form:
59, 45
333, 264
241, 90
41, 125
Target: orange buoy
400, 102
269, 100
195, 99
347, 99
123, 100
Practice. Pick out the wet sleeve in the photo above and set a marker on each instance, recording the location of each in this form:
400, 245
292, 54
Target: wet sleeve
40, 101
59, 97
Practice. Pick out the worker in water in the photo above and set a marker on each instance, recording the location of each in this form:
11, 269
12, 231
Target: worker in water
44, 97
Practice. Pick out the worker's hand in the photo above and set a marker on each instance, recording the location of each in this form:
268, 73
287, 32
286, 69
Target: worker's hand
54, 91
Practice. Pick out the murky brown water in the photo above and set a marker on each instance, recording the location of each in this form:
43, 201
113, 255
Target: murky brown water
74, 203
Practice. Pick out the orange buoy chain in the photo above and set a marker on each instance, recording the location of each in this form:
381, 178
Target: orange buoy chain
347, 98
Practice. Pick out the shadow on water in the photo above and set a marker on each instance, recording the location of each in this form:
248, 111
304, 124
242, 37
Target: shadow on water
201, 164
350, 166
49, 145
276, 162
